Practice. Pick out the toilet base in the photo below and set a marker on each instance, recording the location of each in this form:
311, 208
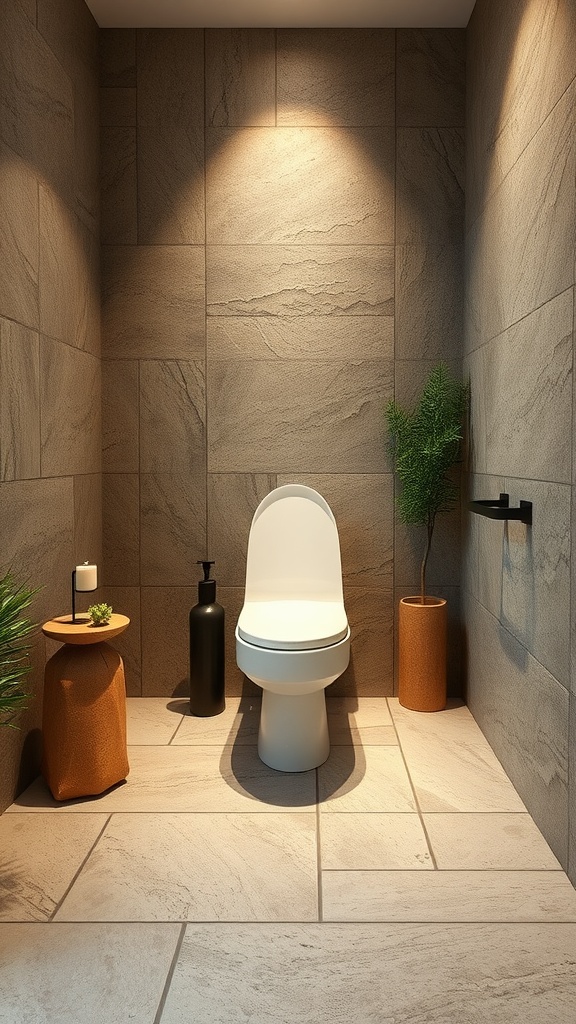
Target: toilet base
293, 734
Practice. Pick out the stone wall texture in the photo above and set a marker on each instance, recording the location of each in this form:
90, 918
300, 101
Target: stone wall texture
518, 353
282, 229
50, 415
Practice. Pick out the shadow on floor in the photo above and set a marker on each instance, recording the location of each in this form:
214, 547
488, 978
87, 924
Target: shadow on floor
243, 770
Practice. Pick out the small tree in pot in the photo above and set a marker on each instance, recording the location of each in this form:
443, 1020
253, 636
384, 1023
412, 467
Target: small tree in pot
425, 445
14, 633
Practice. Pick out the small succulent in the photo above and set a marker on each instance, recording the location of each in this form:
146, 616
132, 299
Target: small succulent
100, 614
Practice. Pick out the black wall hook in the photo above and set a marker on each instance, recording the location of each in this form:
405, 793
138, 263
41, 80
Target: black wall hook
499, 508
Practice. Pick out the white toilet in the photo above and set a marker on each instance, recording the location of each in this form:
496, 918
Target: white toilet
293, 637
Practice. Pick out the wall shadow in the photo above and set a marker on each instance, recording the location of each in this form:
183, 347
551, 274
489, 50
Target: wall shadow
30, 756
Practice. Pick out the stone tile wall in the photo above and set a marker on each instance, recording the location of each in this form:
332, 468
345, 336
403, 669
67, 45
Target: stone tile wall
50, 436
520, 212
282, 232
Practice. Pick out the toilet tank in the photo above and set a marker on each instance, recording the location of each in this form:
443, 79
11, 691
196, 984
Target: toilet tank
293, 548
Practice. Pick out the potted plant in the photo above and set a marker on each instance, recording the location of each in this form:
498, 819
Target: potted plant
100, 614
425, 444
14, 633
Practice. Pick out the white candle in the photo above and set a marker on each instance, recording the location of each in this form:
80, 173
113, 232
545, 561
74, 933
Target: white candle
86, 577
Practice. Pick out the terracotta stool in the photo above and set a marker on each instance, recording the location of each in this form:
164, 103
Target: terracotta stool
84, 714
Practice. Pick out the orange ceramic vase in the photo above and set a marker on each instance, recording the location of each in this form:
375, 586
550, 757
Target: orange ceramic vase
422, 653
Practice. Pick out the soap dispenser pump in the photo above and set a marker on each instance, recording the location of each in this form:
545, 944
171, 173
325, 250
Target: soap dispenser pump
207, 650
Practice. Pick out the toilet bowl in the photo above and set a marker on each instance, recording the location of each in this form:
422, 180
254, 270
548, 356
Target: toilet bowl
293, 637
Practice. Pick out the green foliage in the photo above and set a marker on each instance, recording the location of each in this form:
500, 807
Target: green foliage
100, 613
14, 633
425, 444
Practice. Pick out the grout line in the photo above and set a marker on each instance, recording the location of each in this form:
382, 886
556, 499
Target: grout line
333, 922
318, 848
297, 246
305, 808
281, 923
332, 128
487, 199
305, 360
53, 810
496, 337
137, 132
275, 809
81, 868
570, 781
40, 424
470, 922
394, 351
428, 840
303, 924
170, 975
275, 77
138, 430
447, 871
327, 127
139, 588
523, 480
37, 330
206, 531
201, 743
420, 815
174, 734
453, 813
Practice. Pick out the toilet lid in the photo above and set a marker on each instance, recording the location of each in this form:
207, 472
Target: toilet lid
293, 625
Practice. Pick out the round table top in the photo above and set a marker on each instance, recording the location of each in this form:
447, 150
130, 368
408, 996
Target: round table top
83, 632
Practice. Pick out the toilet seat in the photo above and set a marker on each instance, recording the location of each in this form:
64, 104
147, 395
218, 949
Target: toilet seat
292, 625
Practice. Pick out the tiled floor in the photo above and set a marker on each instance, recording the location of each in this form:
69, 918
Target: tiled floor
403, 881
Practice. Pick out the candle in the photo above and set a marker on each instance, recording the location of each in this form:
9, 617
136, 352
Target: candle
86, 577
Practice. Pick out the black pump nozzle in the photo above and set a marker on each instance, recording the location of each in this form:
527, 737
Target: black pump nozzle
206, 567
206, 587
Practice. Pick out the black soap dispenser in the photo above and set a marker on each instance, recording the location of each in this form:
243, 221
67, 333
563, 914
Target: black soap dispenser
207, 650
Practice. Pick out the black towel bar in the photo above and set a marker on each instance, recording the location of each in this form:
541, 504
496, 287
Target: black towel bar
499, 508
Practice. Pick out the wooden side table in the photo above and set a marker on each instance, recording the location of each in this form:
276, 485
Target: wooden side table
84, 713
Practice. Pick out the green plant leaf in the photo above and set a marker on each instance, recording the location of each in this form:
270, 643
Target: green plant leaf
15, 631
425, 444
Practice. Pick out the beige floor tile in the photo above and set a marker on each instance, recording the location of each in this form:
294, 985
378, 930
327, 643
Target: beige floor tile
84, 973
188, 779
488, 841
238, 724
356, 974
360, 720
253, 867
451, 764
364, 779
153, 720
442, 896
199, 867
454, 722
40, 856
378, 841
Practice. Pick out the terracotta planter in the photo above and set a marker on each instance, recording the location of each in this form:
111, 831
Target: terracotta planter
422, 654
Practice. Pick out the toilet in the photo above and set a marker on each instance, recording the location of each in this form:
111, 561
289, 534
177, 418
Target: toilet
292, 636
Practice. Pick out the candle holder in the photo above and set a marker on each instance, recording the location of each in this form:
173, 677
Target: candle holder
84, 580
